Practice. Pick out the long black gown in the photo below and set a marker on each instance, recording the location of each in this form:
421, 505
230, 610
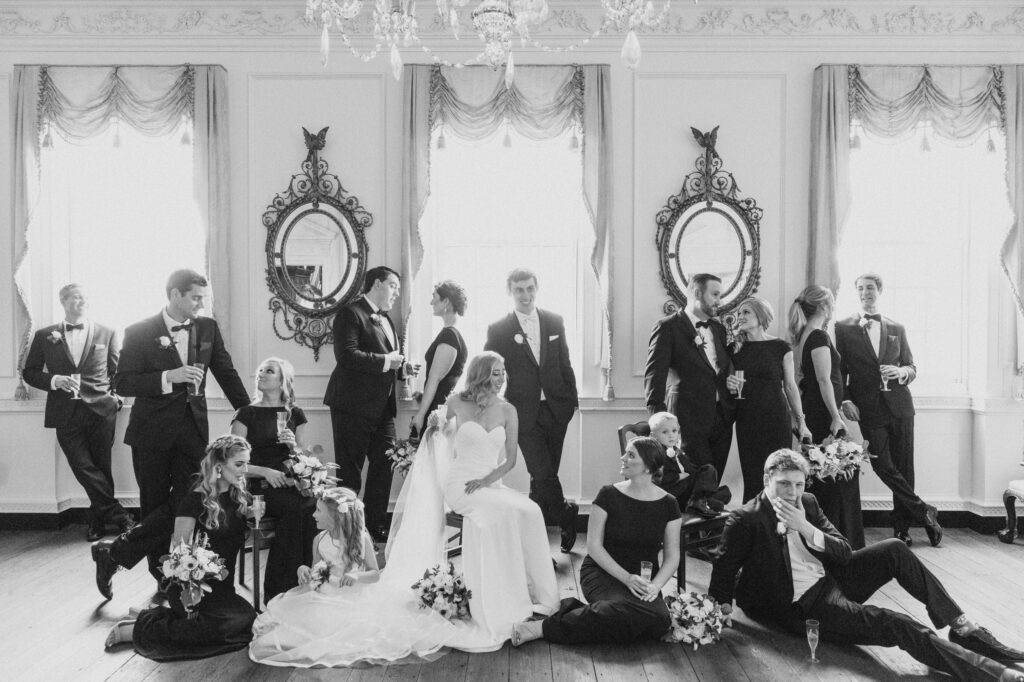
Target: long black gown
840, 500
762, 416
295, 529
222, 621
451, 337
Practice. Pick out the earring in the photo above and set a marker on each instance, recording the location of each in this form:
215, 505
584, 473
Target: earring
219, 473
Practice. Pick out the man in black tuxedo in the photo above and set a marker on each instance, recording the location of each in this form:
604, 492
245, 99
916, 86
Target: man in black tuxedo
361, 393
784, 562
163, 366
84, 414
542, 388
874, 348
687, 364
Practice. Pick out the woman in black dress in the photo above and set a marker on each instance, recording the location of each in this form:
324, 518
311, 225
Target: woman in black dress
821, 389
271, 445
222, 620
763, 419
630, 522
446, 356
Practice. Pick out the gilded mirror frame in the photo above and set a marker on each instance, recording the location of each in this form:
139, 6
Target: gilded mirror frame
709, 190
305, 312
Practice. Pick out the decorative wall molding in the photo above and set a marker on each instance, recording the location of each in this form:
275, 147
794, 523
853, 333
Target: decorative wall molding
711, 18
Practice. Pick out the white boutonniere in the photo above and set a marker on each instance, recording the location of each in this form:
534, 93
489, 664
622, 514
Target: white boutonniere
55, 337
699, 341
164, 342
519, 338
865, 323
375, 318
781, 528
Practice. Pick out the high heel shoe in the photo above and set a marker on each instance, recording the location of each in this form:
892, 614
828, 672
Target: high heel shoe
117, 634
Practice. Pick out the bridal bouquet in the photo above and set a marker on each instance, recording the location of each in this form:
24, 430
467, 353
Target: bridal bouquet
839, 460
308, 472
696, 619
444, 591
189, 565
319, 575
401, 454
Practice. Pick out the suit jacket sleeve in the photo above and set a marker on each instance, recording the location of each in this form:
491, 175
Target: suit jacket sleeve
659, 357
33, 372
492, 338
224, 371
346, 345
113, 355
133, 377
906, 357
837, 549
737, 544
844, 367
568, 375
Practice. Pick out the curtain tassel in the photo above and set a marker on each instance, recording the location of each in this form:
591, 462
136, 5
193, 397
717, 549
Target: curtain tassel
48, 141
441, 141
508, 139
855, 141
574, 142
990, 146
21, 391
186, 134
926, 146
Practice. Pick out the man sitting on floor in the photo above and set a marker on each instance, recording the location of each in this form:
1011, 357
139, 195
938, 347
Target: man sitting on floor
785, 562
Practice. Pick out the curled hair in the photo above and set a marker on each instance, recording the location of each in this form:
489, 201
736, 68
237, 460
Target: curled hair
652, 454
762, 310
877, 279
287, 372
519, 275
810, 301
479, 382
782, 461
183, 280
451, 291
218, 453
349, 521
378, 274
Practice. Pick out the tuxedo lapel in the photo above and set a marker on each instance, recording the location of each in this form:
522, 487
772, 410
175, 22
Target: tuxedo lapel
691, 332
87, 346
543, 338
883, 339
518, 329
378, 329
772, 521
65, 345
866, 340
720, 349
159, 328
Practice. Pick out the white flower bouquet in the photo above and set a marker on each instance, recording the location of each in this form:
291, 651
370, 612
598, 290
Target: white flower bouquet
189, 565
320, 574
443, 590
309, 472
401, 455
839, 459
696, 619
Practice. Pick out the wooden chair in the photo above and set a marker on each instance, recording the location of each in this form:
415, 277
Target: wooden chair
256, 540
697, 532
454, 521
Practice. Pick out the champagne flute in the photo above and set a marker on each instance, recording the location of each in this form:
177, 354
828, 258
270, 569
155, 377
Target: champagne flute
76, 391
282, 422
812, 638
193, 386
646, 570
885, 380
739, 377
257, 509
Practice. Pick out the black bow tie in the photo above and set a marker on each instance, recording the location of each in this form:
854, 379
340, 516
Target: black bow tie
876, 317
179, 327
68, 326
703, 323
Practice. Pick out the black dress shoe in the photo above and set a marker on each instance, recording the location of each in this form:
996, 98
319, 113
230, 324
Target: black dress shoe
105, 568
981, 641
700, 507
1007, 535
932, 527
97, 530
904, 536
126, 524
568, 525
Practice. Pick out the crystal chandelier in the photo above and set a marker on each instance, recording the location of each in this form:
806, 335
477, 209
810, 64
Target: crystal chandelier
496, 22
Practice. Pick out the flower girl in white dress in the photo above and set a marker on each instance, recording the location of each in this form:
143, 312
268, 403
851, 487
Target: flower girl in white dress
350, 618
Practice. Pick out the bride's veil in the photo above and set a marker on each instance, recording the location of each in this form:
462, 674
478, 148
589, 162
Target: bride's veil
417, 538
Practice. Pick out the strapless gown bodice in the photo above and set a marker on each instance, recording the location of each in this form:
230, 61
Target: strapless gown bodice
477, 451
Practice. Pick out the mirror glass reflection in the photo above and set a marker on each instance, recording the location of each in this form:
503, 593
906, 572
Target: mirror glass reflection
314, 253
709, 241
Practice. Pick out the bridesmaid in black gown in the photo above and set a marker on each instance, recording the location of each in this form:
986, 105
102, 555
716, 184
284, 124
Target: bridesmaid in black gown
769, 383
821, 390
222, 620
258, 424
446, 356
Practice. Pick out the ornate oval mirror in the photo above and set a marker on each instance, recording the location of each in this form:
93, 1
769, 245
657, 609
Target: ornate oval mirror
708, 228
316, 250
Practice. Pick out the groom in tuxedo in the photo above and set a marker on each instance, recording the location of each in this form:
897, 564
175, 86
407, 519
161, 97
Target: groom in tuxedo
874, 348
361, 393
542, 388
85, 423
687, 364
784, 562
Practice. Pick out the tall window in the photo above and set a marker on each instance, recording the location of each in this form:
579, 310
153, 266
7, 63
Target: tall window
495, 206
928, 215
117, 214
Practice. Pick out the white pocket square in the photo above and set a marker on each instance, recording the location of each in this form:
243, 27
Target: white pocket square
101, 346
553, 338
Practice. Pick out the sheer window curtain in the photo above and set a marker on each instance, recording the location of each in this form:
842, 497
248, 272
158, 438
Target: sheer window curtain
543, 102
79, 102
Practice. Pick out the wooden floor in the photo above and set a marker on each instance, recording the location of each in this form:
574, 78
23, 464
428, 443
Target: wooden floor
54, 623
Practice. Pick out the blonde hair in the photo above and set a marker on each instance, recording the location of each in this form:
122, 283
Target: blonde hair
349, 521
218, 453
658, 418
810, 301
479, 382
287, 372
762, 310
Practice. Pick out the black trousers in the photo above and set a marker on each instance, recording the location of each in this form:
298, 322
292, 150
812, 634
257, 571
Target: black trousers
165, 477
151, 537
357, 440
292, 545
713, 446
613, 614
541, 443
837, 602
702, 483
892, 444
86, 440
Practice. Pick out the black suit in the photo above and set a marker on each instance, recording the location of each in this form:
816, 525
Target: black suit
680, 379
85, 427
168, 432
754, 567
542, 423
361, 395
886, 417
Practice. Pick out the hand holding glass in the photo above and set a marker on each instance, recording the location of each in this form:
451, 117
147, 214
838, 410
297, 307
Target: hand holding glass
282, 422
812, 637
739, 388
193, 386
885, 379
646, 570
75, 392
258, 507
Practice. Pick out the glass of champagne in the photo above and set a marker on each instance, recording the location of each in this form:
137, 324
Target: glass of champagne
76, 393
812, 638
257, 509
282, 422
646, 570
193, 386
885, 380
739, 389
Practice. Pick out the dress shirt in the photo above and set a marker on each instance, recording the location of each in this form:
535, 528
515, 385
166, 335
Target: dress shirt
531, 327
874, 330
75, 338
807, 569
180, 341
709, 339
672, 454
385, 324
